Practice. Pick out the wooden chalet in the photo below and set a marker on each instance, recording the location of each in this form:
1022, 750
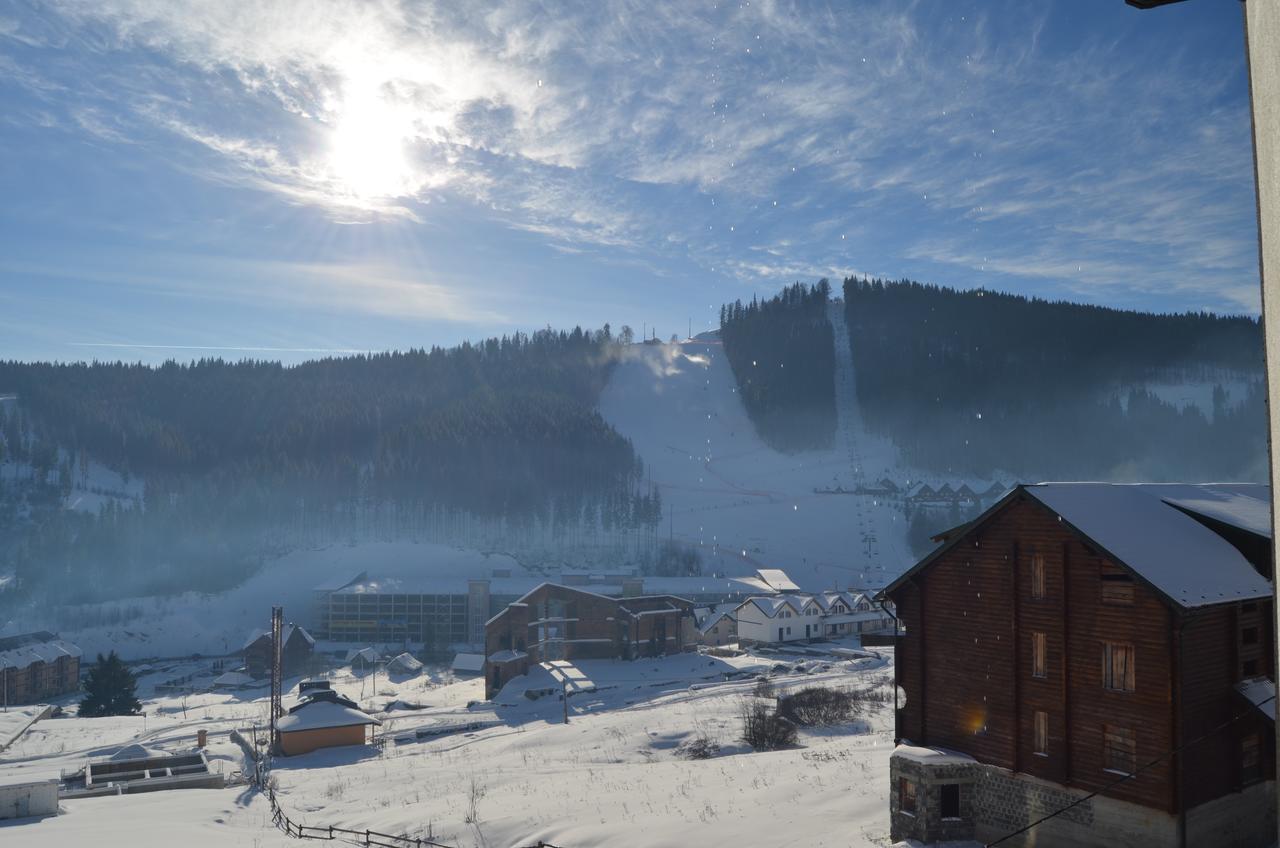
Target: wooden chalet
296, 652
1085, 638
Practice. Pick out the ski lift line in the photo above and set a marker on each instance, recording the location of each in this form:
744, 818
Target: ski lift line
1135, 772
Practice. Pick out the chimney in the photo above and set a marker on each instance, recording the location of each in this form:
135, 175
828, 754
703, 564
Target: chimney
202, 738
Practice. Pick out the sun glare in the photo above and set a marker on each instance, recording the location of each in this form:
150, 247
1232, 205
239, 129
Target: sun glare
367, 149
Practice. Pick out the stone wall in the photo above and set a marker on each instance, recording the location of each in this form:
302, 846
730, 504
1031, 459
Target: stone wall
926, 823
1245, 819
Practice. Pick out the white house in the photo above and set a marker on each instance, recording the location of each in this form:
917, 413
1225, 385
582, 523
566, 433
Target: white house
717, 625
799, 617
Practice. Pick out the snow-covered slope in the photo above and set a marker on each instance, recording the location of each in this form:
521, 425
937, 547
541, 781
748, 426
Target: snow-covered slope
743, 503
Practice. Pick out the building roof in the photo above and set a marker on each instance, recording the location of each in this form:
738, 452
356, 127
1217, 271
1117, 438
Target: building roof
1261, 692
286, 633
468, 662
1150, 529
406, 663
368, 655
777, 580
712, 619
318, 714
41, 646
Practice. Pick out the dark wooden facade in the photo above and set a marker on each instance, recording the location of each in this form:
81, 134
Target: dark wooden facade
35, 667
966, 664
296, 654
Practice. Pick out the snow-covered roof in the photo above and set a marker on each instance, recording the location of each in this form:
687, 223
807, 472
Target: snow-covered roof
22, 651
712, 619
506, 656
368, 655
931, 756
1261, 692
777, 580
286, 633
1182, 558
772, 604
232, 678
406, 663
1243, 505
468, 662
315, 715
137, 752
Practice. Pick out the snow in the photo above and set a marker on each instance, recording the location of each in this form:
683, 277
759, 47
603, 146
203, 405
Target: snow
1178, 555
315, 715
468, 662
232, 679
613, 775
14, 721
215, 624
931, 756
744, 505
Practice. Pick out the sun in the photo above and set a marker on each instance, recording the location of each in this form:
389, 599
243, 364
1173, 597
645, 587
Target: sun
367, 157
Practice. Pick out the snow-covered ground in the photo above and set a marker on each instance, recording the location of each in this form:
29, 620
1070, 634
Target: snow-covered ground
745, 504
613, 775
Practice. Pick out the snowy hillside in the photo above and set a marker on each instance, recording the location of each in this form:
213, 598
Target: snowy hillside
742, 503
218, 624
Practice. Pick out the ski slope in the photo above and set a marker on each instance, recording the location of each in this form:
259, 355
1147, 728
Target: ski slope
742, 503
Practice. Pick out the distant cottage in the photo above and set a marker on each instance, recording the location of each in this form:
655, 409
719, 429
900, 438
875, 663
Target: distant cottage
1090, 637
296, 652
323, 719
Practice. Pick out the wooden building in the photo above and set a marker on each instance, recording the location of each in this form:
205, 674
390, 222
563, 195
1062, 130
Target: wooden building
555, 622
297, 652
37, 666
323, 719
1087, 637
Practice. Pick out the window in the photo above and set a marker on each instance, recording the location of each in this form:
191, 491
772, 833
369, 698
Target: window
1117, 667
1039, 666
1249, 636
1249, 668
1042, 733
1117, 589
1037, 576
788, 631
1250, 759
1119, 749
950, 797
906, 795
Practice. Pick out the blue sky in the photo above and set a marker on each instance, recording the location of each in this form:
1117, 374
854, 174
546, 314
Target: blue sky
280, 179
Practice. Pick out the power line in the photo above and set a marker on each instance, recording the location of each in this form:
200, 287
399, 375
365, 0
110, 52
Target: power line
1133, 774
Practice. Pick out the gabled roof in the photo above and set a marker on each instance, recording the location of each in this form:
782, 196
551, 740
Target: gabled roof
1142, 528
286, 633
713, 619
777, 580
316, 714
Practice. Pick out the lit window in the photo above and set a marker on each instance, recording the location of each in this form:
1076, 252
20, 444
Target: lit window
1039, 665
1118, 667
1037, 576
1042, 732
1119, 749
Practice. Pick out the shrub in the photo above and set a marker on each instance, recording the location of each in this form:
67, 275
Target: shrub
818, 705
700, 747
765, 730
764, 688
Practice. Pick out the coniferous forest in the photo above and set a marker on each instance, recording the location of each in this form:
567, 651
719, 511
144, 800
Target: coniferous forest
978, 382
233, 455
783, 359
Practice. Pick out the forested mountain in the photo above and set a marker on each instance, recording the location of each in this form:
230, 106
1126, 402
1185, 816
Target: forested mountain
972, 382
782, 356
232, 454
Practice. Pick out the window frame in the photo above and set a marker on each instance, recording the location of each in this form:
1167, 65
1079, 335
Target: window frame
1119, 742
1124, 654
1040, 740
1039, 655
908, 801
944, 790
1038, 580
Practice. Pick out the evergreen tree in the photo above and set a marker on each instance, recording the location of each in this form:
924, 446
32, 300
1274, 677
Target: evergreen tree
110, 689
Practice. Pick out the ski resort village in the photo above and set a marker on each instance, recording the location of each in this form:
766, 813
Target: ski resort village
754, 424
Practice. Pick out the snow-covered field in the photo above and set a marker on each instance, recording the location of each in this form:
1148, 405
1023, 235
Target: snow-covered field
613, 775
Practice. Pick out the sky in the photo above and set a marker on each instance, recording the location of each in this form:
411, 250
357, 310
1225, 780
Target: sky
289, 179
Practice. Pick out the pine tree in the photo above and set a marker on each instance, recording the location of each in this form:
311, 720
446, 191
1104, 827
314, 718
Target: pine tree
110, 689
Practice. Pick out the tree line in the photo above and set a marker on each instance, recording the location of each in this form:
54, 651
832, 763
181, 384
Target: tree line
782, 355
232, 452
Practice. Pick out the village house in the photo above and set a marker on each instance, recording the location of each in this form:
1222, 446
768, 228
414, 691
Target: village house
799, 617
37, 666
1083, 638
296, 653
717, 625
323, 719
564, 623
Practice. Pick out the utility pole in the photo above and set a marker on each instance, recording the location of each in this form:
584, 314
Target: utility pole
277, 654
4, 674
564, 689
